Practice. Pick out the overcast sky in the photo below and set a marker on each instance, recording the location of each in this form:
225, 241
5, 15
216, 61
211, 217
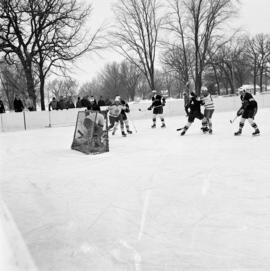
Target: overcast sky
254, 18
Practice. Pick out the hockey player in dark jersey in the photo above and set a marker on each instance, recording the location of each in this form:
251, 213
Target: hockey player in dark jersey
124, 120
157, 105
194, 111
247, 111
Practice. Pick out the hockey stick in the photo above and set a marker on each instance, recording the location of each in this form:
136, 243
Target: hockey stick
232, 121
179, 129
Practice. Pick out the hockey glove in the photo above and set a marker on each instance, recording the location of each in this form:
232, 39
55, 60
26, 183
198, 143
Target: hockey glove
149, 108
240, 112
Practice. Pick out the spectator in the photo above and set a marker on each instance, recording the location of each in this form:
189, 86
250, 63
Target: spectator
69, 103
79, 103
108, 102
29, 104
18, 104
85, 102
61, 103
101, 102
2, 107
93, 104
53, 104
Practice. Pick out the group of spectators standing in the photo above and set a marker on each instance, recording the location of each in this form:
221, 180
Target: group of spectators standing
18, 104
86, 101
62, 103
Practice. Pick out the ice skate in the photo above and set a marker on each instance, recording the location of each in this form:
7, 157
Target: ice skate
163, 125
153, 126
256, 132
183, 133
239, 132
124, 134
129, 132
205, 129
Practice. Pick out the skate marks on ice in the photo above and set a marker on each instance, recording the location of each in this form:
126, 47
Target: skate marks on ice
127, 252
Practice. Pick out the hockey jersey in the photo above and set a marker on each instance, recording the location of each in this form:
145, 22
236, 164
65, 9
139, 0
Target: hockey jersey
115, 110
194, 105
248, 102
208, 102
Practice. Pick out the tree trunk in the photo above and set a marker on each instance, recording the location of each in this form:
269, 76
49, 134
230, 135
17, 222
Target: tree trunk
216, 78
41, 90
231, 86
261, 79
30, 84
254, 78
152, 81
198, 83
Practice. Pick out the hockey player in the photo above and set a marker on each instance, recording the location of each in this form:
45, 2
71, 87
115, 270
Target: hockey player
115, 115
94, 123
194, 111
124, 119
96, 117
209, 109
157, 105
247, 111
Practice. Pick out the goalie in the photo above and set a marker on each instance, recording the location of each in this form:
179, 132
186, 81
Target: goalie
90, 133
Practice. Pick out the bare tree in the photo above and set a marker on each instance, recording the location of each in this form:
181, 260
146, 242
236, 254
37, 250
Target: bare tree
229, 64
199, 22
12, 81
130, 76
111, 79
258, 52
44, 34
136, 34
115, 79
94, 87
178, 54
179, 62
65, 88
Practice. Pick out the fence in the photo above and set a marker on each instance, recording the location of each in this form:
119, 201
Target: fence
38, 119
138, 110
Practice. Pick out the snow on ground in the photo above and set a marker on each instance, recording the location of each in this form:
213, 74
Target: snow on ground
156, 201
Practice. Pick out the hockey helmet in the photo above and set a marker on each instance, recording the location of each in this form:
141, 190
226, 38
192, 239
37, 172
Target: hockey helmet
92, 99
241, 90
117, 99
204, 89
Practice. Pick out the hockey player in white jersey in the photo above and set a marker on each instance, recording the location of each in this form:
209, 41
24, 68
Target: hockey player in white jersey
209, 109
115, 116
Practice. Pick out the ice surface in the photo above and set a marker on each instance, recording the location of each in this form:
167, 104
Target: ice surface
156, 201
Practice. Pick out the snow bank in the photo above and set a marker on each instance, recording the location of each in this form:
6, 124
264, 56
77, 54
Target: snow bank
14, 255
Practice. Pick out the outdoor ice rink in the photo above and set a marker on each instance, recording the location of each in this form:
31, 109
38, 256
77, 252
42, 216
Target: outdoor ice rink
156, 202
